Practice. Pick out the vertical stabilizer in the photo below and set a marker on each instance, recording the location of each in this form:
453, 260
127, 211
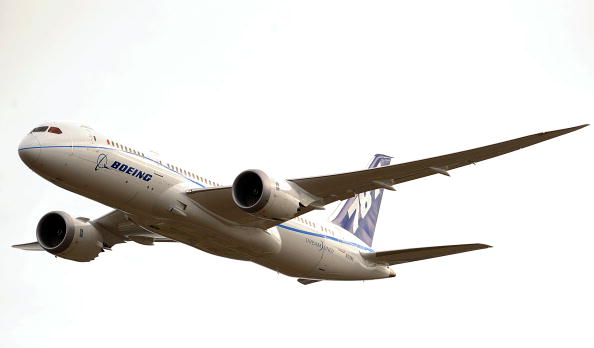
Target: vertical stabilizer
358, 214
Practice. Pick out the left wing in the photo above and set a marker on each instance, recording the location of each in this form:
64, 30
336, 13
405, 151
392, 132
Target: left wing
116, 227
332, 188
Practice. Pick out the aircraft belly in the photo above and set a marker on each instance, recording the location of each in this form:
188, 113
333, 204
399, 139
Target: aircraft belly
200, 238
308, 256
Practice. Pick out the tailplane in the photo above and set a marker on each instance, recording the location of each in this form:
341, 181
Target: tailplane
395, 257
358, 214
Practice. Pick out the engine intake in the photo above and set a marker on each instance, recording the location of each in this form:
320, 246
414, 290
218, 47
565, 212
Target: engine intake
55, 232
257, 193
251, 190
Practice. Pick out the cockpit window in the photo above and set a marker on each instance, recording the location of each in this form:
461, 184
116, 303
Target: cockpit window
55, 130
39, 129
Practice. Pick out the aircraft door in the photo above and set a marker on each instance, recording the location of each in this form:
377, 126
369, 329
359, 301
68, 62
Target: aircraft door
85, 145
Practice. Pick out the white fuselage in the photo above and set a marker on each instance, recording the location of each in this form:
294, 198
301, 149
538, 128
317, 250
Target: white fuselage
153, 194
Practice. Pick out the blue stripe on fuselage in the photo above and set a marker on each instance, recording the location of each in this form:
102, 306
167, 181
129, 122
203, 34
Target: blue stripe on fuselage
325, 237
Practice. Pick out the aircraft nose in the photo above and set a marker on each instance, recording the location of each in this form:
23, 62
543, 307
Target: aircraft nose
30, 150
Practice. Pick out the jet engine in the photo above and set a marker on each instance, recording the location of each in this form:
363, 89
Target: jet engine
257, 193
60, 234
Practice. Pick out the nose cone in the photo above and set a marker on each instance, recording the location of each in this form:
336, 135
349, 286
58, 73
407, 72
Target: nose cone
30, 150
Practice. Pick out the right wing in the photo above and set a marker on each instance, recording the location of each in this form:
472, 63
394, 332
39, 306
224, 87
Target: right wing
341, 186
332, 188
394, 257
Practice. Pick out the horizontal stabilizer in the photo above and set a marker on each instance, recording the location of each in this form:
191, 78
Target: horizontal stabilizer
394, 257
34, 246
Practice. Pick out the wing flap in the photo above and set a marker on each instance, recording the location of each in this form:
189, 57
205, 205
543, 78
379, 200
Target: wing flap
394, 257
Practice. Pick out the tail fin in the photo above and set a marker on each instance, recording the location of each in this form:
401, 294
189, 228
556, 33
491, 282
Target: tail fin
358, 214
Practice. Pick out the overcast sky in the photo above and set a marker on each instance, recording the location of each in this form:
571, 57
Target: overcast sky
301, 88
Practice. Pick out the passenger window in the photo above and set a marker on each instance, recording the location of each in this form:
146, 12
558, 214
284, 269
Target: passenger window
39, 129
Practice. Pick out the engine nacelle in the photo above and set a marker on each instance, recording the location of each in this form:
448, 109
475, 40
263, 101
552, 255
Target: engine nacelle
59, 234
258, 194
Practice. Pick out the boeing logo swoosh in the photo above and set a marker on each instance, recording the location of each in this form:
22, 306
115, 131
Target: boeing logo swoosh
101, 162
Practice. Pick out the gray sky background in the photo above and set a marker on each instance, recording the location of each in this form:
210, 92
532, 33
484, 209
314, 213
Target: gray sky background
300, 88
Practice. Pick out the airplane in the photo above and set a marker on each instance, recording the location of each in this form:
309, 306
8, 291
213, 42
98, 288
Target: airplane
258, 218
